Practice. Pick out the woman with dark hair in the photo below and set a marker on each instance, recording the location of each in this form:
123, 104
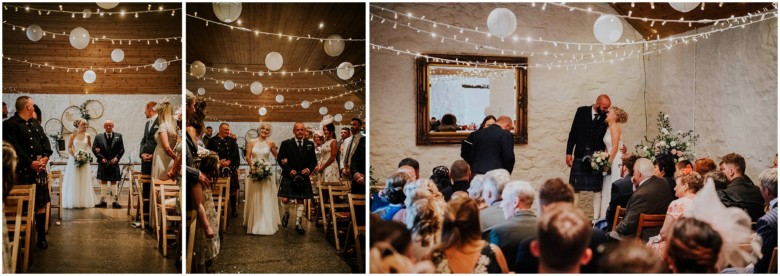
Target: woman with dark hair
449, 123
441, 176
665, 168
394, 193
693, 247
462, 249
326, 168
489, 120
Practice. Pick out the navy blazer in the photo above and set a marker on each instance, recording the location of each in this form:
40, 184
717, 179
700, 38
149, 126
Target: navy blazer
493, 149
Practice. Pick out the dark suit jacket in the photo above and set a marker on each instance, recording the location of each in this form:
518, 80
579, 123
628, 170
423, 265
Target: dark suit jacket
296, 160
358, 165
585, 134
622, 189
493, 149
750, 195
651, 197
108, 150
767, 230
456, 186
466, 147
148, 144
508, 235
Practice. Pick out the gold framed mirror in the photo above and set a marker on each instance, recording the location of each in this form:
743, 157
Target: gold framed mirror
454, 95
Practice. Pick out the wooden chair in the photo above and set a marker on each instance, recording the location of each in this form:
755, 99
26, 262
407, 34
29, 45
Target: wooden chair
168, 214
22, 228
133, 195
13, 226
339, 209
357, 201
324, 202
221, 194
155, 213
620, 213
54, 176
242, 175
143, 179
192, 221
773, 262
648, 220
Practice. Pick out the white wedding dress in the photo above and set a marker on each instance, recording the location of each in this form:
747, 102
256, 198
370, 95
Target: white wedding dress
77, 189
606, 188
261, 211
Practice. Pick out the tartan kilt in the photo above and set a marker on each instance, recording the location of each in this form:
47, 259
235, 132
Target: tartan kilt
582, 179
295, 190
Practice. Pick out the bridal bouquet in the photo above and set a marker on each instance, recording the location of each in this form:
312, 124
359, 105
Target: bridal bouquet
667, 141
260, 170
599, 162
82, 157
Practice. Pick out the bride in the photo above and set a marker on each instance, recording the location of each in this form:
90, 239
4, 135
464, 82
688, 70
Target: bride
614, 140
261, 212
77, 190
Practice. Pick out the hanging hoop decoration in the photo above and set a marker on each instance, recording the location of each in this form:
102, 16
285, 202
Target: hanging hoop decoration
53, 127
93, 108
251, 134
92, 131
241, 142
70, 115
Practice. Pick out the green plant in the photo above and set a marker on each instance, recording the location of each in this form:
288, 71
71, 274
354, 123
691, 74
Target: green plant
677, 144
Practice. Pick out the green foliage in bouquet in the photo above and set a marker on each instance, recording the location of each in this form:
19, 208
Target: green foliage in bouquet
678, 144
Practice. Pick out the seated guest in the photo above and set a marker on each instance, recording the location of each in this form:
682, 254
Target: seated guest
390, 249
462, 250
688, 184
423, 215
449, 123
458, 194
521, 222
748, 194
665, 168
683, 164
441, 176
411, 162
704, 166
693, 247
631, 256
408, 170
460, 173
651, 196
394, 193
493, 187
562, 239
552, 191
766, 226
475, 190
719, 178
622, 189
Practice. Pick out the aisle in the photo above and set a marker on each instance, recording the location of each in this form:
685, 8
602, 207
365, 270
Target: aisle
284, 252
98, 240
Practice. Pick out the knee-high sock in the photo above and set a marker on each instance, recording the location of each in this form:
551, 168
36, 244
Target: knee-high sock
115, 191
298, 211
103, 190
40, 226
597, 205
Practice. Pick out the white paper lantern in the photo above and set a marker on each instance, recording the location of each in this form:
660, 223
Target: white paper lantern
34, 32
201, 91
334, 47
160, 64
228, 12
262, 111
323, 110
117, 55
274, 61
229, 85
349, 105
337, 118
256, 88
279, 98
305, 104
198, 69
79, 38
684, 6
608, 29
502, 22
345, 70
89, 76
87, 13
107, 5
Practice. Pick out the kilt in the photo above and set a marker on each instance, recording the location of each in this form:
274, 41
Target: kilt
109, 172
300, 189
584, 180
42, 196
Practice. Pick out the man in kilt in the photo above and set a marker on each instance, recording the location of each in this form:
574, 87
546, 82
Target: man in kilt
297, 159
586, 137
109, 149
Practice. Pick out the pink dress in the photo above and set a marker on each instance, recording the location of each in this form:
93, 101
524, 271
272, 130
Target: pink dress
676, 210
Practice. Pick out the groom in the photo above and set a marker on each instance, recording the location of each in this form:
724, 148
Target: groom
297, 159
587, 136
108, 148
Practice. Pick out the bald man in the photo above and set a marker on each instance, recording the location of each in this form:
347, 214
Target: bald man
493, 147
585, 137
297, 159
108, 148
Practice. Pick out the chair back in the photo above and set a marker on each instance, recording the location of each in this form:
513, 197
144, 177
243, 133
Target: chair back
620, 213
649, 220
773, 262
192, 220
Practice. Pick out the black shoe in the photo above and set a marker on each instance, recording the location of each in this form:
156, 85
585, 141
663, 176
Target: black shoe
285, 218
42, 244
102, 204
299, 228
235, 214
116, 205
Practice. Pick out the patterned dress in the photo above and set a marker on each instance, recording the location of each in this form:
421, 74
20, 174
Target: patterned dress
331, 172
205, 248
676, 210
487, 262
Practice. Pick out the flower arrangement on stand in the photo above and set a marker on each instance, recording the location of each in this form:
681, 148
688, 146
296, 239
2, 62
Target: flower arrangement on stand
677, 144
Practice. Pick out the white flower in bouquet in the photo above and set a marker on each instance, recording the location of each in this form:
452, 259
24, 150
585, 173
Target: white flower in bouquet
662, 143
600, 162
666, 116
664, 131
673, 143
82, 157
260, 170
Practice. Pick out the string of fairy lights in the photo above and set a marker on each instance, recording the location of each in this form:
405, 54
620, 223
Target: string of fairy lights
88, 12
259, 32
93, 39
279, 89
282, 106
117, 69
652, 6
270, 73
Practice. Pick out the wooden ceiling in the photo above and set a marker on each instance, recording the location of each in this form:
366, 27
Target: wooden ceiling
57, 51
220, 47
662, 10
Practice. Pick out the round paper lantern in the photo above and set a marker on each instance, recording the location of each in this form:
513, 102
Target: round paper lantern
34, 32
502, 22
323, 110
160, 64
345, 70
279, 98
684, 6
608, 29
274, 61
198, 69
334, 47
349, 105
107, 5
117, 55
337, 118
229, 85
79, 38
201, 91
87, 13
89, 76
256, 88
305, 104
262, 111
228, 12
